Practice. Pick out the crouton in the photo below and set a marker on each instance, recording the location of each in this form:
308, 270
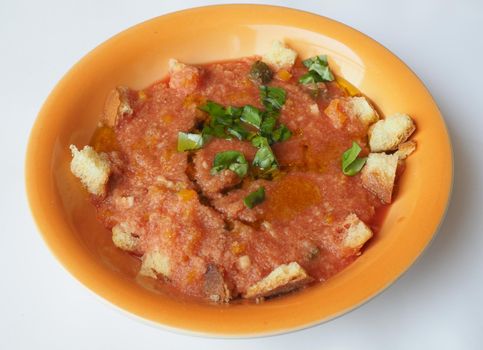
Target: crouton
356, 233
244, 262
92, 168
171, 185
124, 109
124, 202
122, 237
174, 65
283, 279
340, 109
280, 56
336, 113
379, 173
154, 263
183, 77
216, 288
387, 134
405, 149
314, 109
362, 109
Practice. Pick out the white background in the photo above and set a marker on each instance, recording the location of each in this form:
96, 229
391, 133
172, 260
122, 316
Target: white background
437, 304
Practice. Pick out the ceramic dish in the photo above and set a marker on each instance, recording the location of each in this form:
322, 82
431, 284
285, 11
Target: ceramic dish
136, 58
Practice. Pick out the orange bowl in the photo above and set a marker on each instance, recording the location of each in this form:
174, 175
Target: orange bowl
136, 58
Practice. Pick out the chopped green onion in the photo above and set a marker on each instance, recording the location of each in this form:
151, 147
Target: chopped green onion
351, 164
255, 197
273, 98
188, 142
251, 115
232, 160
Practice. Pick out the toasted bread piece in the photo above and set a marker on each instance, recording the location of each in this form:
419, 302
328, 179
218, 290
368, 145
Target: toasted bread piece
405, 149
283, 279
244, 262
362, 109
175, 66
387, 134
122, 237
336, 112
280, 56
356, 233
124, 109
379, 173
92, 168
314, 109
216, 287
183, 77
154, 263
340, 110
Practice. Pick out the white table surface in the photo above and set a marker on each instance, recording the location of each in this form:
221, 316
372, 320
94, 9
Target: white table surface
436, 304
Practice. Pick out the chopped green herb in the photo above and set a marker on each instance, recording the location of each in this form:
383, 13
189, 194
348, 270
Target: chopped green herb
264, 158
309, 78
231, 122
232, 160
319, 70
268, 125
273, 98
216, 130
261, 73
234, 112
239, 131
188, 142
259, 141
282, 133
251, 115
255, 197
351, 164
214, 109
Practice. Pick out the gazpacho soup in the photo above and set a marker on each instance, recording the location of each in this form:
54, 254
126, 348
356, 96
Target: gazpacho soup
243, 179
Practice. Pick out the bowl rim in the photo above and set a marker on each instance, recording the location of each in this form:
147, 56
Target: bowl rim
29, 183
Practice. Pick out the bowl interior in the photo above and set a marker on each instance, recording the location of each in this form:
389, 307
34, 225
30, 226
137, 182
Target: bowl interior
138, 57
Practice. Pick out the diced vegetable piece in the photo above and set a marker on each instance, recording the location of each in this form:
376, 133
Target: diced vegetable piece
188, 142
261, 73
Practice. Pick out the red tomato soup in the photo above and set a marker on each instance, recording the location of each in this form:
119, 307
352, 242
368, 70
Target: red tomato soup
227, 179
